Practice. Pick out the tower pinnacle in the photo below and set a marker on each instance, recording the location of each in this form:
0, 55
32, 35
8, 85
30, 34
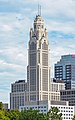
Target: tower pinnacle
39, 9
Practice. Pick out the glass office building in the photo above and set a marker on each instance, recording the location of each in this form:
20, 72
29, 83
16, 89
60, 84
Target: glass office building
65, 70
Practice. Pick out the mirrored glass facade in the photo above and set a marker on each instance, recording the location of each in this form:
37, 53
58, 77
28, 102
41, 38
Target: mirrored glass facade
65, 70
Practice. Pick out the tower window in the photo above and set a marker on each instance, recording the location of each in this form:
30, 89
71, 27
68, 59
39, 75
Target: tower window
32, 46
34, 26
44, 46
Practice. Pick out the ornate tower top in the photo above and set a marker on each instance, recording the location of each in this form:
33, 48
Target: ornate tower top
38, 23
38, 19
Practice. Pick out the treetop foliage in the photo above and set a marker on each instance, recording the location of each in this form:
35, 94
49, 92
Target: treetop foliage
53, 114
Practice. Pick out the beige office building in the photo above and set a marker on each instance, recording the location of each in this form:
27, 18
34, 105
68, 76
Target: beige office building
55, 88
18, 94
38, 71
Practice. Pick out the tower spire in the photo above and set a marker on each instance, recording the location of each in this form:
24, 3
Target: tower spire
39, 9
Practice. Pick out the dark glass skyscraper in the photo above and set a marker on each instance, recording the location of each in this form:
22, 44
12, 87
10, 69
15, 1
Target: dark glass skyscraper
65, 70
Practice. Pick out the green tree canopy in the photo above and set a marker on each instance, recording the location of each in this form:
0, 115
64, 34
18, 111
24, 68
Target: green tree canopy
73, 117
3, 116
1, 106
28, 115
13, 114
42, 116
54, 114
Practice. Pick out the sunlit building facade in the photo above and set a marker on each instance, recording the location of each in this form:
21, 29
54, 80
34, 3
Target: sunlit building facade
38, 71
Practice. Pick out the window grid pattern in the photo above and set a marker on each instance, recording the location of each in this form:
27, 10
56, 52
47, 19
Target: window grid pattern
33, 59
45, 59
45, 79
32, 79
33, 46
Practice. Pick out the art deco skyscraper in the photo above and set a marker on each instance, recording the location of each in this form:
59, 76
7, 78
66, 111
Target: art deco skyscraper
38, 71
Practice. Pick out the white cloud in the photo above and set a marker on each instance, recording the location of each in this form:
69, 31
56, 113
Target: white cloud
8, 66
65, 27
4, 97
59, 8
6, 28
16, 55
6, 74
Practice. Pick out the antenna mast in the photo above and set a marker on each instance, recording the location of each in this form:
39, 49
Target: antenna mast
39, 9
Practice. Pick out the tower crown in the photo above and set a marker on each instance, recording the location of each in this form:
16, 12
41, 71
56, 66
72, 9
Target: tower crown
38, 18
38, 23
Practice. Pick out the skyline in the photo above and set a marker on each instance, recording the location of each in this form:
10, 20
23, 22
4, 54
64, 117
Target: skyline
16, 19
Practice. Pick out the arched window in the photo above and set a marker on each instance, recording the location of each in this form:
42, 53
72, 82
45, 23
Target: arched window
33, 46
44, 46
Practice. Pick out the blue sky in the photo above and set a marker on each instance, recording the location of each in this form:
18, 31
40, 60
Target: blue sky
16, 19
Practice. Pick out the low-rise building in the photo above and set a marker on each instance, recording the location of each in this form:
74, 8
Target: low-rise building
5, 105
44, 106
18, 94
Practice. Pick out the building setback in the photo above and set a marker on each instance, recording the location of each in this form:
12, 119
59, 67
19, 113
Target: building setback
65, 70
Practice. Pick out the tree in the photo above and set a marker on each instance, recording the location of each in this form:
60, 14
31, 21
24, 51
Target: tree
28, 115
42, 116
2, 112
73, 117
54, 114
2, 115
13, 114
1, 106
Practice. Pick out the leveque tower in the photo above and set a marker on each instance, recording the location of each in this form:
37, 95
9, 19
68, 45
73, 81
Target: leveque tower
37, 87
38, 71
